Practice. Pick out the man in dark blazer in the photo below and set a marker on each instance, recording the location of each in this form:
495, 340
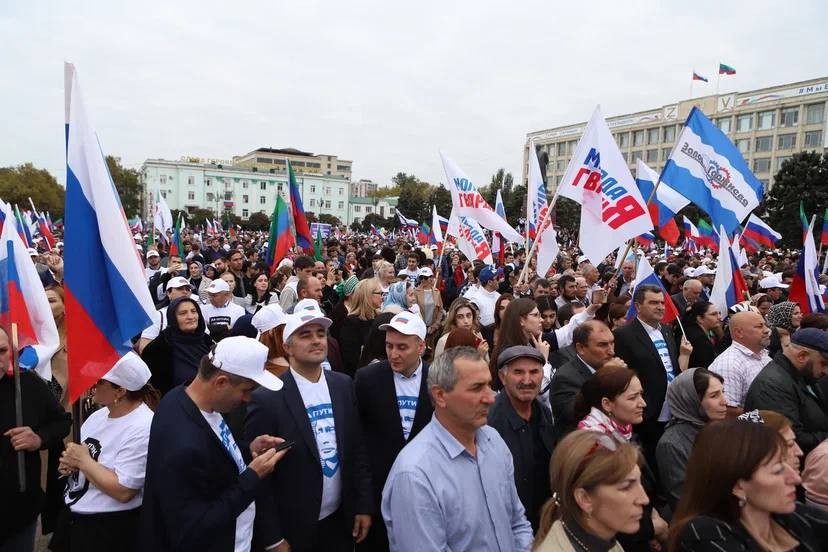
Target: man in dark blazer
394, 405
320, 499
649, 348
594, 347
690, 292
200, 484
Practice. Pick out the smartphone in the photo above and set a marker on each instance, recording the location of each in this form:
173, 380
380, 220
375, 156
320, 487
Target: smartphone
599, 296
284, 445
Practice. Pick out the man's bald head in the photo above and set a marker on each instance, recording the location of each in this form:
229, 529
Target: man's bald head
749, 329
691, 290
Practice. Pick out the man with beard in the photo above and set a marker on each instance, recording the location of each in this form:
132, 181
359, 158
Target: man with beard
567, 288
787, 386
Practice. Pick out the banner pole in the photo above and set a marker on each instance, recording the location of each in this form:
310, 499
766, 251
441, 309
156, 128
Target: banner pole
18, 409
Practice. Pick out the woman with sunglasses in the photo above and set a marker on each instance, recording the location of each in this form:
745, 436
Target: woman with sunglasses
740, 494
106, 470
596, 494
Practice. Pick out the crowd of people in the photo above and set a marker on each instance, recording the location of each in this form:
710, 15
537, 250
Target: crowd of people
383, 395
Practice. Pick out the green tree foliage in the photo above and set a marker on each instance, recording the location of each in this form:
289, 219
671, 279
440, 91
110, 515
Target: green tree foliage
567, 214
18, 184
128, 186
372, 218
329, 219
804, 178
386, 191
440, 197
257, 221
414, 195
199, 216
514, 197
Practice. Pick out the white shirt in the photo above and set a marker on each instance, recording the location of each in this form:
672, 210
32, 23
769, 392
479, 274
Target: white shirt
228, 314
317, 400
664, 352
119, 444
738, 365
408, 393
485, 301
244, 521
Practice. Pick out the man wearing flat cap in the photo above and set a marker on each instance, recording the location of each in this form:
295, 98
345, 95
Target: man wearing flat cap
525, 425
788, 385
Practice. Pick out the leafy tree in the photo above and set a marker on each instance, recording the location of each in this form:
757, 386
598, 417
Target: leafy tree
311, 216
804, 178
380, 222
257, 221
440, 197
567, 214
329, 219
128, 186
18, 184
200, 216
386, 191
414, 195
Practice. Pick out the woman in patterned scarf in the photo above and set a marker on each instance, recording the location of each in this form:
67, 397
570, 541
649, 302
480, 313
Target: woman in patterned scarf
783, 319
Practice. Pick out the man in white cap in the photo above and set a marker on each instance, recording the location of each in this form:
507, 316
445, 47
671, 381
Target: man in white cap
320, 498
394, 406
176, 287
705, 275
221, 310
201, 484
153, 264
774, 287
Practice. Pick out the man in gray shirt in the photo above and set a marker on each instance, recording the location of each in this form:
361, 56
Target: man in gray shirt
452, 487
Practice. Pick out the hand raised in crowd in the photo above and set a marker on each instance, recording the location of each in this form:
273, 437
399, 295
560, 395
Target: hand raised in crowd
541, 345
483, 345
362, 523
23, 438
330, 280
686, 347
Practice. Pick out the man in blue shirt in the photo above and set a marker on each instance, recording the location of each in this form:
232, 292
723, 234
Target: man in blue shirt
452, 487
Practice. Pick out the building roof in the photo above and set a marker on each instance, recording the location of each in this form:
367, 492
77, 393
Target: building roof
392, 201
285, 151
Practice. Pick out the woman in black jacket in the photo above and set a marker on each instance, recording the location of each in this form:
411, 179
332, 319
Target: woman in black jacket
702, 325
174, 355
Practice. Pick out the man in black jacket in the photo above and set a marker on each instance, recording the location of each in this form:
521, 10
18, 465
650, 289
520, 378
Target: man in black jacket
320, 498
394, 406
787, 385
649, 348
200, 484
525, 425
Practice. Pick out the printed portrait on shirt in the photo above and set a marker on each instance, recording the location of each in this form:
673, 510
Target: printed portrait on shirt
77, 484
324, 430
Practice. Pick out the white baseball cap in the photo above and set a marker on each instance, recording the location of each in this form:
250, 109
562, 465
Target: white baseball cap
269, 317
406, 323
151, 253
689, 271
217, 286
304, 318
771, 282
139, 247
402, 272
308, 305
178, 282
704, 270
31, 251
425, 271
130, 372
245, 357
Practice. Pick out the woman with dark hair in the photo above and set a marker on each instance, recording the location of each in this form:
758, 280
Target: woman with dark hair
694, 398
741, 495
549, 313
612, 402
260, 295
174, 355
500, 308
617, 315
783, 319
461, 314
702, 326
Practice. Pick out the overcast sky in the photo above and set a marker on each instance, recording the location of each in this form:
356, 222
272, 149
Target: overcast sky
384, 84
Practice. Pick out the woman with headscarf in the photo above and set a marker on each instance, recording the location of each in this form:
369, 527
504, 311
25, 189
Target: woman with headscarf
174, 355
345, 291
694, 398
783, 319
400, 297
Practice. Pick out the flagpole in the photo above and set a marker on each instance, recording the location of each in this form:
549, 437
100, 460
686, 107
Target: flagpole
537, 232
18, 409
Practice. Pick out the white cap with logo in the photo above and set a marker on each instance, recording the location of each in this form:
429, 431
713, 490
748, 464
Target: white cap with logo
269, 317
244, 357
771, 282
178, 282
304, 318
406, 323
217, 286
130, 372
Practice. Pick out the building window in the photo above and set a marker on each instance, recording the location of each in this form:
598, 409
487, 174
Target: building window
327, 190
263, 186
763, 143
191, 181
228, 196
624, 139
312, 202
244, 184
764, 120
781, 159
665, 153
786, 141
638, 138
210, 197
743, 145
313, 189
327, 205
191, 196
163, 179
636, 155
761, 165
208, 182
164, 194
669, 133
813, 139
560, 164
262, 200
356, 220
789, 117
245, 199
724, 124
653, 136
343, 168
652, 155
369, 209
340, 191
382, 210
357, 208
245, 213
279, 187
814, 113
340, 205
744, 123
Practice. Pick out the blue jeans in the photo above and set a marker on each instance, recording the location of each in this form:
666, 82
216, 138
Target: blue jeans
22, 541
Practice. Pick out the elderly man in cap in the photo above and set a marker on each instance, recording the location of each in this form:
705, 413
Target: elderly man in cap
176, 287
787, 385
221, 310
320, 498
200, 483
451, 487
525, 424
394, 405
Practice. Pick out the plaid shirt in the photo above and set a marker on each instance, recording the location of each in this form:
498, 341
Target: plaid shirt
738, 365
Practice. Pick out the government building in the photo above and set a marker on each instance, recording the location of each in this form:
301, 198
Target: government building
768, 126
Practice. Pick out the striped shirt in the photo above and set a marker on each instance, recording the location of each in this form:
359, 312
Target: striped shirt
738, 365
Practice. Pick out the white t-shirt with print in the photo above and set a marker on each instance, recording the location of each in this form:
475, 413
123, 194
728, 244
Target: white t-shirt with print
317, 399
228, 314
244, 521
119, 444
408, 393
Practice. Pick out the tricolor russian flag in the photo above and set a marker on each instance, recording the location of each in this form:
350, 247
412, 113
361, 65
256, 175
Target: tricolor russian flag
663, 205
805, 286
646, 275
824, 238
646, 239
729, 286
107, 299
697, 77
758, 231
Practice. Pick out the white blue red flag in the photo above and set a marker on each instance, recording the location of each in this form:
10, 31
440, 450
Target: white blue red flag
23, 299
805, 287
536, 203
646, 275
598, 178
663, 206
498, 243
470, 238
758, 230
437, 229
706, 168
107, 299
467, 202
729, 287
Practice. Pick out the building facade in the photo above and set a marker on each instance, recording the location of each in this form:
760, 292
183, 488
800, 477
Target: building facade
265, 159
768, 126
190, 185
363, 188
362, 206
